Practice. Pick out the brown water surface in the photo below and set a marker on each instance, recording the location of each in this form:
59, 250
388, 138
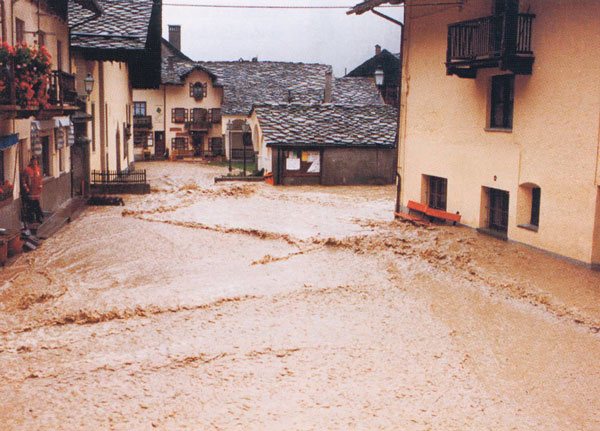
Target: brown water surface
248, 306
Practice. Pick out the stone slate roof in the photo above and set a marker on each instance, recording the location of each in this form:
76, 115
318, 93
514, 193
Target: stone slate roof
356, 91
327, 124
123, 25
258, 82
248, 83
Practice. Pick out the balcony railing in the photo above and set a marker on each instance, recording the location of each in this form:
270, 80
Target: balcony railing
61, 94
503, 40
62, 89
142, 122
196, 125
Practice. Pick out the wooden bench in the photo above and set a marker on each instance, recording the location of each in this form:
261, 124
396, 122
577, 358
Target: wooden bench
432, 212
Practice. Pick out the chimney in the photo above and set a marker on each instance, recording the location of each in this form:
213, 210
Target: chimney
377, 49
328, 85
175, 36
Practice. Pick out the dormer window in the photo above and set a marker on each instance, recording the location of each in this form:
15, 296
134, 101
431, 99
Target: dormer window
198, 90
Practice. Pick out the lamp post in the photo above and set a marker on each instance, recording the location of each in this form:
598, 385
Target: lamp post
88, 84
229, 127
245, 131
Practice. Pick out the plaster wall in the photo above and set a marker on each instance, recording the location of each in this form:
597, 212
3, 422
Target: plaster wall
178, 96
555, 136
54, 28
111, 106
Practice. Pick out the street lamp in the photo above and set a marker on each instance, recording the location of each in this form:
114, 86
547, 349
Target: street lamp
88, 84
379, 77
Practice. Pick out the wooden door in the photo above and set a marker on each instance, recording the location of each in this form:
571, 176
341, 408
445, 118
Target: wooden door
159, 144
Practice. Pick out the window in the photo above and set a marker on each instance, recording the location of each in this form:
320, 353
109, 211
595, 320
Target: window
179, 143
179, 115
528, 206
215, 115
198, 90
199, 115
216, 147
19, 30
437, 193
45, 156
501, 108
536, 194
139, 109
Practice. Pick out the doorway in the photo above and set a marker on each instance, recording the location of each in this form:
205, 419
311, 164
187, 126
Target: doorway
159, 144
498, 210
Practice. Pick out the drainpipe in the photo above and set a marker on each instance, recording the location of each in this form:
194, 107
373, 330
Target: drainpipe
398, 176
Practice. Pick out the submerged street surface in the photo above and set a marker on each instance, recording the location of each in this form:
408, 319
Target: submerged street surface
252, 307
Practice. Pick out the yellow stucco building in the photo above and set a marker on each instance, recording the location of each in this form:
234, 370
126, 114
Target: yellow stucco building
500, 118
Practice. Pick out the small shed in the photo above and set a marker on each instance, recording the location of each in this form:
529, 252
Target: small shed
326, 144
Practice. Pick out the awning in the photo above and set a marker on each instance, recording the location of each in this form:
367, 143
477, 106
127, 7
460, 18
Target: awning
56, 122
8, 141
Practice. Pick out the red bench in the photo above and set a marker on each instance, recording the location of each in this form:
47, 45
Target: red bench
432, 212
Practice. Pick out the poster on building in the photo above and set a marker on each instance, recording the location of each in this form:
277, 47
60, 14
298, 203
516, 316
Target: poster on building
292, 164
314, 158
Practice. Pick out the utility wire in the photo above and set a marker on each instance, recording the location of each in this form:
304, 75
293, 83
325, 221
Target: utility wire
263, 7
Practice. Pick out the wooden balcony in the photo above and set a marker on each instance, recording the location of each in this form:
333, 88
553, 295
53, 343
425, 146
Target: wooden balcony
503, 41
62, 89
62, 98
196, 125
142, 122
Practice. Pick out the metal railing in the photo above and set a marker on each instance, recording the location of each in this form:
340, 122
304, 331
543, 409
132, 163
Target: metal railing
118, 177
238, 154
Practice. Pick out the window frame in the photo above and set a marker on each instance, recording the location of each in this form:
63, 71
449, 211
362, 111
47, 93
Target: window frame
178, 120
139, 109
437, 192
19, 30
502, 95
179, 139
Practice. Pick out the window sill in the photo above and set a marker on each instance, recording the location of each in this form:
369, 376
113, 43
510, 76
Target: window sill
528, 227
497, 129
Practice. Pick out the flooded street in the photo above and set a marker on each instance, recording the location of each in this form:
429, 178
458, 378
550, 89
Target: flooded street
243, 306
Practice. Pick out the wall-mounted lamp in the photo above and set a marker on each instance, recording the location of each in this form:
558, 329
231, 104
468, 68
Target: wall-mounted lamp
379, 77
88, 84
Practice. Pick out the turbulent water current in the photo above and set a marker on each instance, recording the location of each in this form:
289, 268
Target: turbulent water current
243, 306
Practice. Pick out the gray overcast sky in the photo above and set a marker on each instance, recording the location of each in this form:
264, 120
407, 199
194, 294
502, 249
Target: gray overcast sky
326, 36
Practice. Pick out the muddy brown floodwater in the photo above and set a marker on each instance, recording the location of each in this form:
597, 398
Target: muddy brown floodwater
253, 307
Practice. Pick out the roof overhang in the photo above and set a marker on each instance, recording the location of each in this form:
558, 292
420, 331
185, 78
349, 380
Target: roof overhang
368, 5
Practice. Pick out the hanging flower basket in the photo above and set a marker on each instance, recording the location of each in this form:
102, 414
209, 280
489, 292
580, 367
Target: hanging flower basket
30, 69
